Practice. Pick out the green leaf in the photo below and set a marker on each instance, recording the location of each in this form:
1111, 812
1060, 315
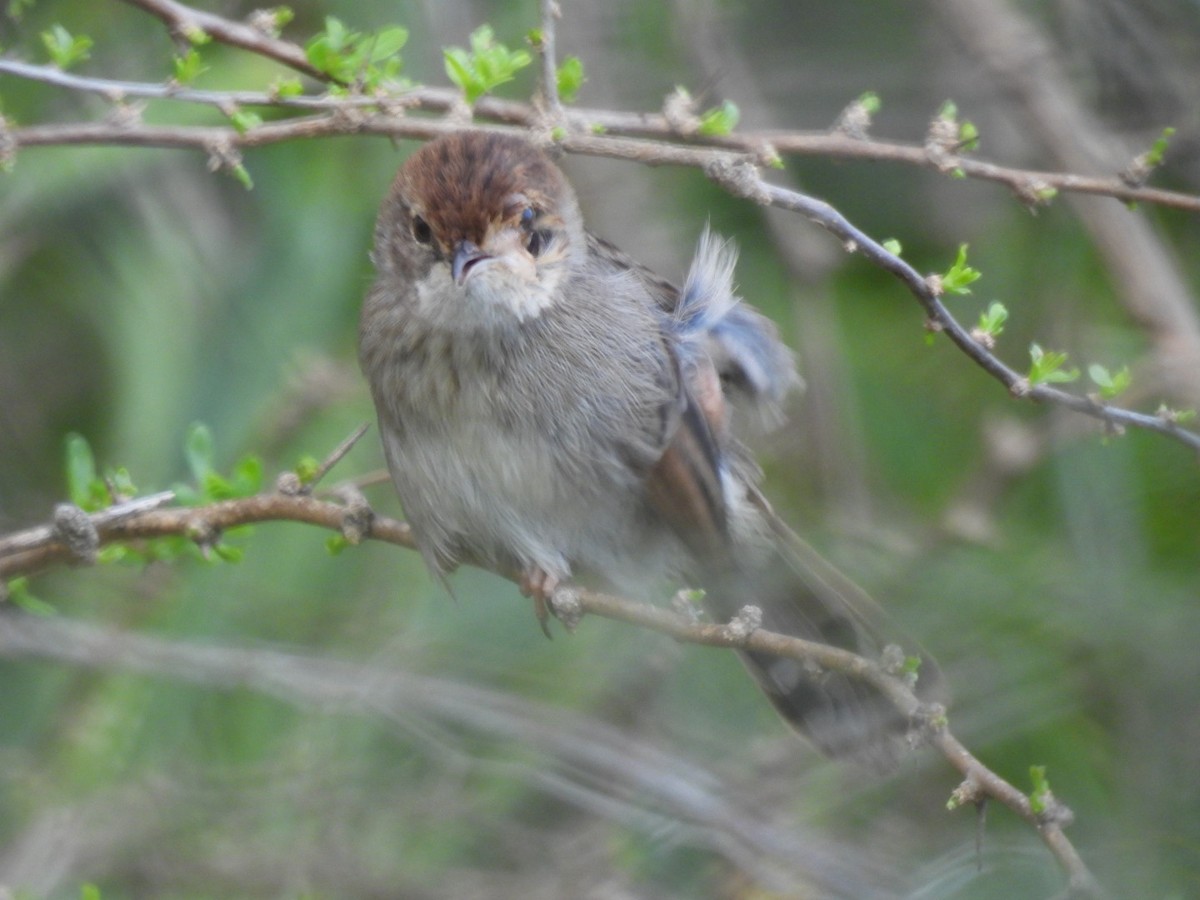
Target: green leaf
959, 277
1047, 367
486, 66
247, 476
112, 554
281, 16
892, 246
482, 39
338, 36
570, 79
228, 552
64, 49
85, 487
89, 892
1154, 156
1039, 797
244, 481
244, 121
287, 87
196, 35
968, 135
20, 595
387, 42
720, 119
1045, 194
992, 321
189, 66
870, 102
306, 468
215, 486
1111, 384
458, 70
198, 450
350, 57
240, 172
335, 544
81, 473
119, 483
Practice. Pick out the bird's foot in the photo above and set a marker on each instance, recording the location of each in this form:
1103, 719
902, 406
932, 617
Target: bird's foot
538, 584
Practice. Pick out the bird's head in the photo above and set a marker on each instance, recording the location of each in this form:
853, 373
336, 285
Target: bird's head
482, 220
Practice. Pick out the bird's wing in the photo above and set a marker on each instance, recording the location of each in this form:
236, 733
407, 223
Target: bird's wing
685, 485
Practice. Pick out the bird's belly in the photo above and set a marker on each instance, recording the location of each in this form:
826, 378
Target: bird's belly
524, 498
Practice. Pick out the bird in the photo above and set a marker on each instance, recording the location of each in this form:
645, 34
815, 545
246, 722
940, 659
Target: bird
549, 406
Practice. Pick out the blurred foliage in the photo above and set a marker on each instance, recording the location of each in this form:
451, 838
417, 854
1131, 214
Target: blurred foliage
140, 293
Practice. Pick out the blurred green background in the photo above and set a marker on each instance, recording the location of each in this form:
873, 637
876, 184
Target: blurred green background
1052, 572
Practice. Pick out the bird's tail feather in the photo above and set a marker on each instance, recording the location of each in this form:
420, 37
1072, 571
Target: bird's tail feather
803, 595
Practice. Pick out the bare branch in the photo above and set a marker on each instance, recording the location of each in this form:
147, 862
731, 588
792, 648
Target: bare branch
1024, 183
31, 551
43, 535
550, 16
336, 455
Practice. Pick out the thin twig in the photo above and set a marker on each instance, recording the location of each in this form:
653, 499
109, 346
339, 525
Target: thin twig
750, 185
42, 535
337, 455
550, 15
183, 21
18, 559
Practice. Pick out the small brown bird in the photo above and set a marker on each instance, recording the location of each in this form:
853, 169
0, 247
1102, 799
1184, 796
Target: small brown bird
550, 406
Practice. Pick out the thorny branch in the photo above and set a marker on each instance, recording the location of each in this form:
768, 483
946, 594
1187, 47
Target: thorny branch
36, 549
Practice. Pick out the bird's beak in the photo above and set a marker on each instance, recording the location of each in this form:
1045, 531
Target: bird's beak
466, 256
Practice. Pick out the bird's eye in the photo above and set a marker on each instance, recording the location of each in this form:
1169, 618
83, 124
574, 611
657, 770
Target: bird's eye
421, 231
537, 241
537, 238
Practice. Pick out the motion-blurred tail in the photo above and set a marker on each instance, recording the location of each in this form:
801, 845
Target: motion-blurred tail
803, 595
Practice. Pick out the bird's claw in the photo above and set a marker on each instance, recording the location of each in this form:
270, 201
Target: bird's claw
539, 585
